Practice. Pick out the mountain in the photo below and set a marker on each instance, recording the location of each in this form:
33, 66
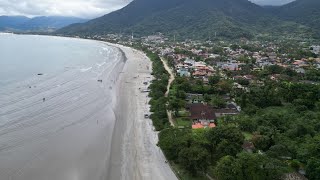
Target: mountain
189, 19
12, 21
43, 23
306, 12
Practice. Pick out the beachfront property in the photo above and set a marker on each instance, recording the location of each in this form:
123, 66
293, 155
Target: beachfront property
205, 116
202, 116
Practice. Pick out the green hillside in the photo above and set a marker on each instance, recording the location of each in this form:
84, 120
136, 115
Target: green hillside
190, 19
306, 12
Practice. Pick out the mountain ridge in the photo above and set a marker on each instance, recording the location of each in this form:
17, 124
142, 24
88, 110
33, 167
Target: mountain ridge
306, 12
189, 19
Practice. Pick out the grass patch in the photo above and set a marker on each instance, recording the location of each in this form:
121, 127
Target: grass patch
183, 113
186, 122
247, 136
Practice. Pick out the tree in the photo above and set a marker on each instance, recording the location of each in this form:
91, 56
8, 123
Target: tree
275, 69
295, 164
256, 166
175, 104
225, 140
213, 80
172, 141
228, 168
194, 159
206, 98
247, 166
278, 151
225, 86
261, 142
217, 102
243, 82
246, 123
313, 169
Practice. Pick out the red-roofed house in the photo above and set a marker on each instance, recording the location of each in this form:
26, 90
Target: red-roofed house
202, 115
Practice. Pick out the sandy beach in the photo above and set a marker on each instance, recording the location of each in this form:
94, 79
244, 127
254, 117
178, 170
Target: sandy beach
134, 154
83, 122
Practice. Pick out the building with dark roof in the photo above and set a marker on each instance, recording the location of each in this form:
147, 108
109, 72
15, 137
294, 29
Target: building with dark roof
201, 112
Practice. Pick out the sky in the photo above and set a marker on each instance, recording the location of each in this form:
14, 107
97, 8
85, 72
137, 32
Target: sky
78, 8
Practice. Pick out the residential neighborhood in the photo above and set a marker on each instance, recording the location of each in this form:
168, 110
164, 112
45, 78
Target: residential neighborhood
241, 93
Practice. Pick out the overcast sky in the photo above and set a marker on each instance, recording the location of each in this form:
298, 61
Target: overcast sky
77, 8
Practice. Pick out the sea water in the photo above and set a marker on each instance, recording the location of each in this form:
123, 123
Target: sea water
56, 107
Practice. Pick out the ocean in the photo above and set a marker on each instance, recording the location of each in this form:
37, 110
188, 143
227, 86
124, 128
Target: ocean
56, 107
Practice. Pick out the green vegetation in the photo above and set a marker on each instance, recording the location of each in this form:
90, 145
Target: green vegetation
158, 88
210, 19
196, 150
302, 11
280, 118
247, 166
284, 119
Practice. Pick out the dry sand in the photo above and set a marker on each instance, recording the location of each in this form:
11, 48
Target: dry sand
134, 153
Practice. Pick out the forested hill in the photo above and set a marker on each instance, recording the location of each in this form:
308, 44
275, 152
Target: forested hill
306, 12
189, 19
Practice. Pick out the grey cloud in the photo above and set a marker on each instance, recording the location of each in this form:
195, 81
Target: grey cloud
78, 8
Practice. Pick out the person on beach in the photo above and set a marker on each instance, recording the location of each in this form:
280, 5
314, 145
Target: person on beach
44, 99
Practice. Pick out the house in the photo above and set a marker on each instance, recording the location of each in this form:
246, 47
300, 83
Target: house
300, 70
231, 66
194, 98
225, 112
231, 109
299, 63
201, 112
272, 55
203, 125
203, 71
183, 72
202, 116
316, 49
190, 62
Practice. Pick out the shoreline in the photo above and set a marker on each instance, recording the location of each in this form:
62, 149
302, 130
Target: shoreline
68, 134
140, 157
124, 148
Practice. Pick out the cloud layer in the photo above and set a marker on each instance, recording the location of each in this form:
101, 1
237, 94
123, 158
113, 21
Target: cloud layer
77, 8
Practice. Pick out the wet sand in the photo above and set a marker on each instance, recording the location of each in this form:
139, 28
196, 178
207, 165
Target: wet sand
84, 130
67, 135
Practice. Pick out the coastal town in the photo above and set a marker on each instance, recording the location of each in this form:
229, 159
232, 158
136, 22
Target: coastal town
232, 67
241, 92
160, 90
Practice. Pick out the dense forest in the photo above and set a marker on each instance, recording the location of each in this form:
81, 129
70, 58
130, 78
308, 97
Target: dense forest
210, 19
